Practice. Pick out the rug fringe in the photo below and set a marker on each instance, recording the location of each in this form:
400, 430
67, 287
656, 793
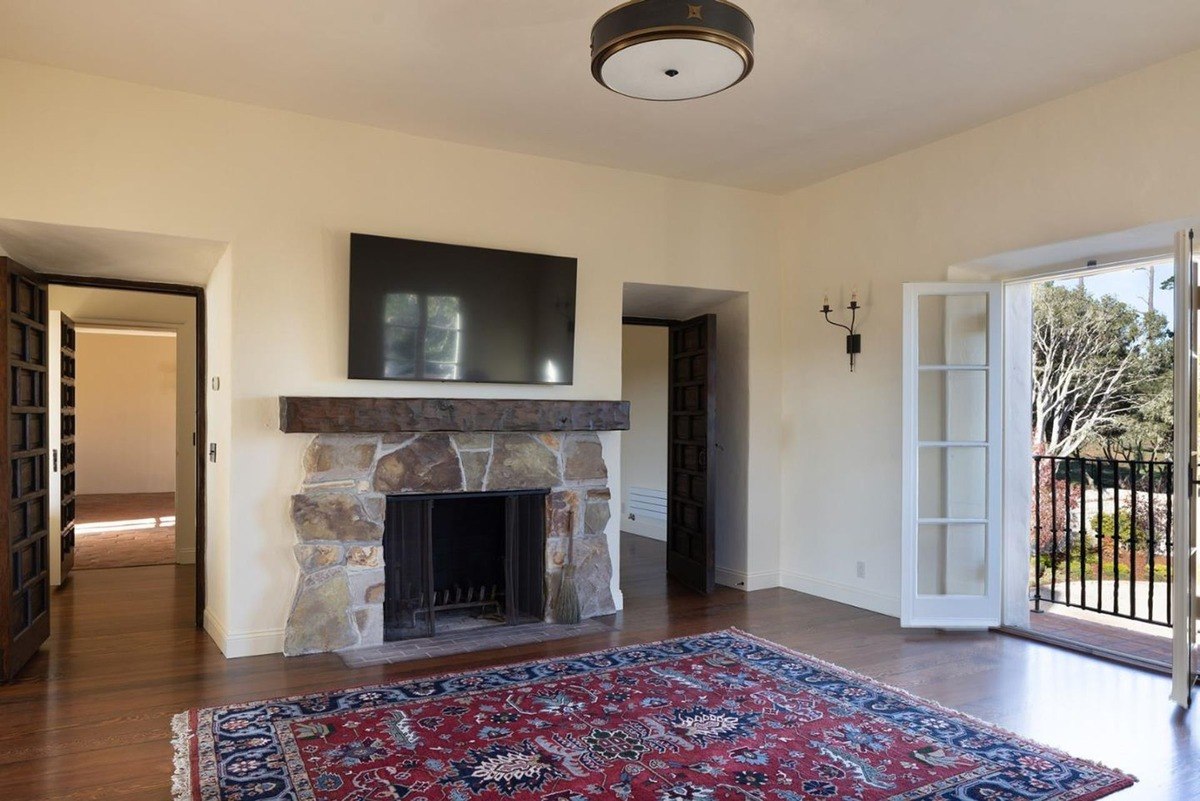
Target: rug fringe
181, 778
991, 727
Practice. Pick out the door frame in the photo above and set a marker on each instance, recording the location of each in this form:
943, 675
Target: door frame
1018, 470
713, 412
196, 292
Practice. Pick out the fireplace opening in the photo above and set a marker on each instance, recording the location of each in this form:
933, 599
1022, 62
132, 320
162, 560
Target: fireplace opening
463, 561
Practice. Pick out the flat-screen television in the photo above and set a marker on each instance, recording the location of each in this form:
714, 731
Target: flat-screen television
424, 311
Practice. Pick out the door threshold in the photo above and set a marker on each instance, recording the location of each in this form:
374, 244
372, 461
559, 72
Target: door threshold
1106, 654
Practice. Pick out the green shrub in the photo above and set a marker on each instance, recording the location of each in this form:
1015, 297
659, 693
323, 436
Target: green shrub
1125, 530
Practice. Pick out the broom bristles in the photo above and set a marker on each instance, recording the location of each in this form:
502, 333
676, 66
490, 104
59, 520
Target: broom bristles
566, 603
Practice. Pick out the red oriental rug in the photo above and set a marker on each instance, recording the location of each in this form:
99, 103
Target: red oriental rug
716, 717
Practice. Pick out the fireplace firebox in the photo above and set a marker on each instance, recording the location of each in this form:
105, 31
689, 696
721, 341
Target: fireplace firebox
457, 561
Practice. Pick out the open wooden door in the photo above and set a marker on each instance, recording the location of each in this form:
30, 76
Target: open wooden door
691, 487
62, 446
24, 568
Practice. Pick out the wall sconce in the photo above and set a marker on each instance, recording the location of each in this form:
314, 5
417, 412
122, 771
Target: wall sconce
853, 340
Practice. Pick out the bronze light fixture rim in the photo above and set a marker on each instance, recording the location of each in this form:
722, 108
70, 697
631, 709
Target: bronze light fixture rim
672, 32
723, 36
734, 6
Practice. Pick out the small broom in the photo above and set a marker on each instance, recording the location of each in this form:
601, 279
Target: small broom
566, 602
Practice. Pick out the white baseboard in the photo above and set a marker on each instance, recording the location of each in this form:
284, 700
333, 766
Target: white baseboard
842, 593
185, 556
749, 582
251, 643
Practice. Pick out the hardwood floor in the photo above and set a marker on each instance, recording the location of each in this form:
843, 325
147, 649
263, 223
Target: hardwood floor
89, 717
126, 530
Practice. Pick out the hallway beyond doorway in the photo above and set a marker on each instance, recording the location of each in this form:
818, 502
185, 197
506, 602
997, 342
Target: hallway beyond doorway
126, 530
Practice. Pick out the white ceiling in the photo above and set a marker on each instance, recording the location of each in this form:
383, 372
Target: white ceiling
838, 83
75, 250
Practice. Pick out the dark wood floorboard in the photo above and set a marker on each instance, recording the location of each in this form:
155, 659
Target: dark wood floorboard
89, 717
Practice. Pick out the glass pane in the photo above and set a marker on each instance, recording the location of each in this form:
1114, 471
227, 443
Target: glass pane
951, 559
952, 329
441, 345
952, 482
952, 405
401, 308
400, 352
443, 311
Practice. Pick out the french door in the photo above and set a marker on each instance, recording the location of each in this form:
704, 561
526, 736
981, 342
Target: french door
951, 543
1183, 589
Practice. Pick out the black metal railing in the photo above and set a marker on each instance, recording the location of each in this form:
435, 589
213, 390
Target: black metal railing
1102, 536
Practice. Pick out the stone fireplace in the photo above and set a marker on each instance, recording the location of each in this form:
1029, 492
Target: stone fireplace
341, 513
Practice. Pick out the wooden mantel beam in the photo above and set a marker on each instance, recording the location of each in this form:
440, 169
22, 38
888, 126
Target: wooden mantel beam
310, 415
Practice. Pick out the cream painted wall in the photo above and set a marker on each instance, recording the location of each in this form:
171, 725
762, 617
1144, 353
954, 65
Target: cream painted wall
1113, 157
644, 445
125, 413
285, 191
172, 313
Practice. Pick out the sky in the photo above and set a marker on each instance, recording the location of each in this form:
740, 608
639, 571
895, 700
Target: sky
1132, 286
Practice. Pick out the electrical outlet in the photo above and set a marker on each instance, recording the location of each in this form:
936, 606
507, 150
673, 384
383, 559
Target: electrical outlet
862, 570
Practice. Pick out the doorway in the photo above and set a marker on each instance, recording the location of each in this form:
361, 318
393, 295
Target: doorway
130, 473
683, 461
59, 483
1102, 433
123, 448
992, 530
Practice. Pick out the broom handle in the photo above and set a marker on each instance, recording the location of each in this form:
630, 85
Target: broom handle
571, 540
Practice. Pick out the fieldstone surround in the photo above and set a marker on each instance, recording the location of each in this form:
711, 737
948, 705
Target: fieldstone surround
339, 518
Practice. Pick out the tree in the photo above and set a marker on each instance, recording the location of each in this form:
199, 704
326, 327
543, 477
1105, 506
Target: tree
1101, 374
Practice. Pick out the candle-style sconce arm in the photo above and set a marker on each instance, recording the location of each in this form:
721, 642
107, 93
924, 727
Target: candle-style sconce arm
853, 338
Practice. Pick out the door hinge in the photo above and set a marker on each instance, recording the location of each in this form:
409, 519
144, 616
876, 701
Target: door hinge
55, 457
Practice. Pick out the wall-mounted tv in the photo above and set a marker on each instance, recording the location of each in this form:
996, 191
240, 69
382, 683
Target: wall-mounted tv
424, 311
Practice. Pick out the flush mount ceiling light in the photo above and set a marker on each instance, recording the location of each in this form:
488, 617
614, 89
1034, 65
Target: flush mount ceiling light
672, 49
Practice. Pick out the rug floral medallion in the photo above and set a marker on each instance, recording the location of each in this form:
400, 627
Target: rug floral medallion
716, 717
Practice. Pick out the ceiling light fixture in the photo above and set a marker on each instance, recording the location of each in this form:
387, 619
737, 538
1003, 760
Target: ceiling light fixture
672, 49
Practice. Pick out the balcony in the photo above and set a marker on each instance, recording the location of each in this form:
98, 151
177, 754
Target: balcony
1101, 569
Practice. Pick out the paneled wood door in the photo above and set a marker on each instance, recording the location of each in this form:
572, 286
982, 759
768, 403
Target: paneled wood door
24, 572
62, 446
691, 514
